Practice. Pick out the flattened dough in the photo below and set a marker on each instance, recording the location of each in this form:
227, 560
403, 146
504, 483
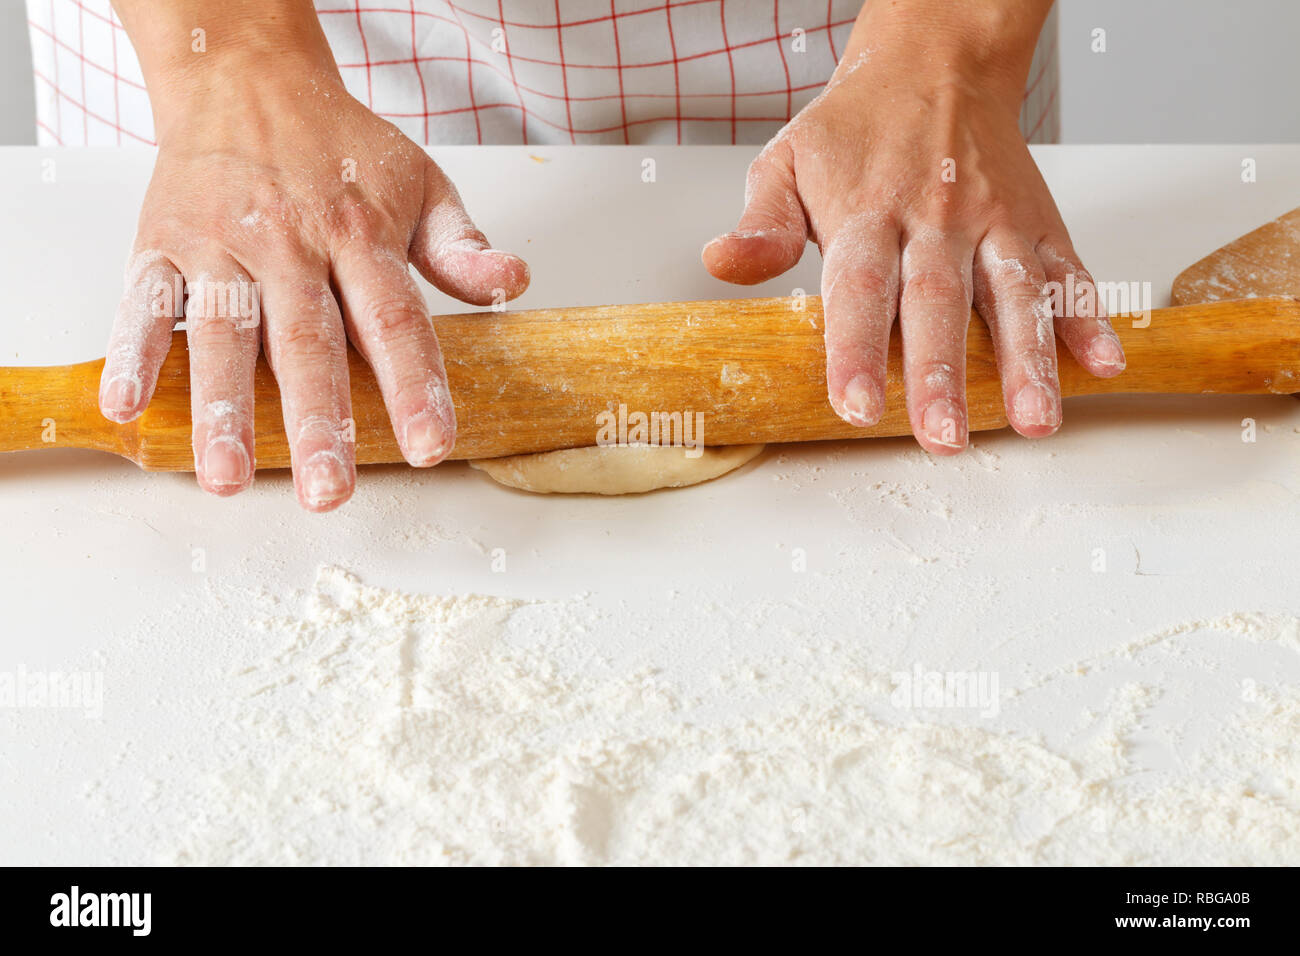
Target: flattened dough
614, 469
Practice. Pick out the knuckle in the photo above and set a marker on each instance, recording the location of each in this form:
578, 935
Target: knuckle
1033, 332
939, 376
352, 219
214, 332
863, 209
935, 285
942, 209
1080, 327
267, 198
172, 231
1058, 255
1033, 358
1010, 266
307, 338
775, 154
315, 297
151, 301
857, 343
874, 284
414, 382
758, 172
861, 282
147, 263
233, 302
1033, 278
279, 246
436, 180
206, 250
1037, 370
320, 425
391, 318
1026, 292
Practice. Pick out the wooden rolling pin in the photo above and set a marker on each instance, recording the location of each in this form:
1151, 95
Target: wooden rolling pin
536, 380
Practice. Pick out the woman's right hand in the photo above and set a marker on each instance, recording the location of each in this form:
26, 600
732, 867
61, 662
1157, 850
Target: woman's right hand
291, 211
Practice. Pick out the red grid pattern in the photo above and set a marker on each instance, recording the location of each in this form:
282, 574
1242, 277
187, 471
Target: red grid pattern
509, 71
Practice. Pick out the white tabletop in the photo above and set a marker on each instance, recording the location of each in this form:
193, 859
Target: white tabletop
981, 562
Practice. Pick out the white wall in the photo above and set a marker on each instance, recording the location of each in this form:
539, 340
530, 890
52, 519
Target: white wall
17, 97
1176, 71
1181, 71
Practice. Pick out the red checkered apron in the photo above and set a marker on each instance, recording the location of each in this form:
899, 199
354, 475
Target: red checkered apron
510, 71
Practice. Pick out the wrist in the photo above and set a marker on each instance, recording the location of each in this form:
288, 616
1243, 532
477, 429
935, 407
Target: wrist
198, 57
242, 88
988, 46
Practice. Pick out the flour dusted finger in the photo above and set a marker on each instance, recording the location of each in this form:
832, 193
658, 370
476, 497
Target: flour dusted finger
1011, 297
860, 298
1081, 319
141, 335
388, 321
222, 316
450, 251
773, 229
307, 351
934, 312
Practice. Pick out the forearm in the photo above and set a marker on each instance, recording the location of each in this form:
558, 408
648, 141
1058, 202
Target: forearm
944, 39
243, 43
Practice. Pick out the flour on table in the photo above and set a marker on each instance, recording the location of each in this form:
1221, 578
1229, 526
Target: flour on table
402, 728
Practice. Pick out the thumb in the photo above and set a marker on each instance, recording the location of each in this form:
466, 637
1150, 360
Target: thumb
773, 229
450, 251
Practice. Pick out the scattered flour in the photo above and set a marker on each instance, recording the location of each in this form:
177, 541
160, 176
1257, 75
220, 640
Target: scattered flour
1256, 627
406, 729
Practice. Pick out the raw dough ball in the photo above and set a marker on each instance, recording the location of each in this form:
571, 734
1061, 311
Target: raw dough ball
614, 469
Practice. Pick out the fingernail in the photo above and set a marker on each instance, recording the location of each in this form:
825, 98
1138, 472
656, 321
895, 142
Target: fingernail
1106, 352
325, 480
121, 394
467, 244
508, 258
1034, 406
863, 404
941, 422
225, 462
734, 235
426, 439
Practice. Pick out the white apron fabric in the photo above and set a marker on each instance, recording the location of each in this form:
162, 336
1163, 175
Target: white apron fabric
510, 71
